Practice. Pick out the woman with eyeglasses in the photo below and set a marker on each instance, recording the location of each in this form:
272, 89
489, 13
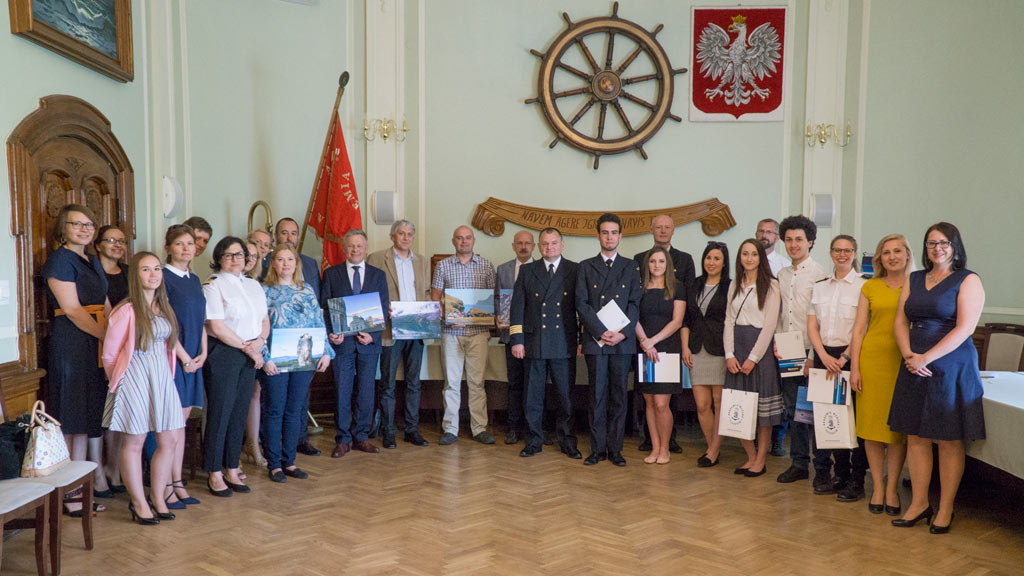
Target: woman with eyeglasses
703, 350
111, 247
875, 362
749, 333
77, 297
236, 320
938, 390
185, 294
254, 269
830, 320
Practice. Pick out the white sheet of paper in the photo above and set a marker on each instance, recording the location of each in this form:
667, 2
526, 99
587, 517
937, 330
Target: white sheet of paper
791, 349
612, 317
666, 369
821, 388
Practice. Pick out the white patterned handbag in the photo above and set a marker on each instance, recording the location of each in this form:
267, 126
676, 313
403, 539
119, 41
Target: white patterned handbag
45, 450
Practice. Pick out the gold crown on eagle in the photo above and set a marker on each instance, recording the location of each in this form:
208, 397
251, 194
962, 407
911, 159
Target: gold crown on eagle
739, 19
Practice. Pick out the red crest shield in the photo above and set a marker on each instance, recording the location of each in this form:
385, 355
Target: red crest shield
737, 66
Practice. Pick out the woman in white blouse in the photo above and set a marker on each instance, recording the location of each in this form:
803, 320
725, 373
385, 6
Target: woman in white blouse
749, 331
236, 319
830, 322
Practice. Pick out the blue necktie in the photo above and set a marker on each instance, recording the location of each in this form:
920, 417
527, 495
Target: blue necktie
357, 284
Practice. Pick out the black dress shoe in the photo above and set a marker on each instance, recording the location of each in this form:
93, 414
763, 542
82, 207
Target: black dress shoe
894, 510
936, 529
388, 441
549, 439
824, 484
705, 462
511, 437
616, 458
645, 446
674, 446
307, 449
850, 493
240, 488
225, 493
741, 471
875, 508
594, 458
572, 452
528, 451
792, 474
278, 476
298, 473
909, 523
108, 493
415, 438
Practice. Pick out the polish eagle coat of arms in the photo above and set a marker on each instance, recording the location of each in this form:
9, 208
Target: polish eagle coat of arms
738, 66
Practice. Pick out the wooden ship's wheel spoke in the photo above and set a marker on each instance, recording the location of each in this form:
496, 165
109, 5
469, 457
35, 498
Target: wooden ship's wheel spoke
605, 85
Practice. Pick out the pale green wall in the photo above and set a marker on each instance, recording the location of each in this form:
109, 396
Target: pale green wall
263, 75
943, 131
483, 140
31, 72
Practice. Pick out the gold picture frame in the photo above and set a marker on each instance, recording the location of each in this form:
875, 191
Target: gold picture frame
94, 33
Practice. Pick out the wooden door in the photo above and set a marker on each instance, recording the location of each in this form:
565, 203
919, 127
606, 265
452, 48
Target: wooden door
62, 153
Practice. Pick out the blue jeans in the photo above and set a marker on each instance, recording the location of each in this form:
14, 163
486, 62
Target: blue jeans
410, 354
283, 400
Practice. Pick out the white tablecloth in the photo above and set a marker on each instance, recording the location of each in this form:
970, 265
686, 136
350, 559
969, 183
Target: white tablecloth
1004, 423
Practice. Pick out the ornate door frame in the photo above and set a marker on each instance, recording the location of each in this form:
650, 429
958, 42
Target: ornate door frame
58, 117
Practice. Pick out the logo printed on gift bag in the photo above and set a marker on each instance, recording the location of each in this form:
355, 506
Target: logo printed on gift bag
830, 421
735, 414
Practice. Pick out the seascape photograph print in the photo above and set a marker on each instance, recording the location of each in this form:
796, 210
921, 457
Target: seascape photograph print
358, 313
415, 320
91, 22
469, 307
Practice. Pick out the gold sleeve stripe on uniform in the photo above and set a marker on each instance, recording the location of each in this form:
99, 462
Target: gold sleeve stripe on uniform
517, 329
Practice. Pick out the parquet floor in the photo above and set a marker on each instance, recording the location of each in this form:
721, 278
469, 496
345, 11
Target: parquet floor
473, 509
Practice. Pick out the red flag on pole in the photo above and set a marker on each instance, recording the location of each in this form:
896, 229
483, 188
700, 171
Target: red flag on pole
336, 204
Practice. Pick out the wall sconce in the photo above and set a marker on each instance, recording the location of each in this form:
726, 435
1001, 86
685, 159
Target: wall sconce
385, 128
822, 133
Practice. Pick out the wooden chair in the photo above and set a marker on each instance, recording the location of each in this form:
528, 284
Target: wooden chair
17, 502
1002, 347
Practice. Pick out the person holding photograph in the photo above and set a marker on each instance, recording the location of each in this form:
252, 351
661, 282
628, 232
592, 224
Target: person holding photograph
662, 307
938, 390
875, 362
748, 336
830, 321
138, 356
291, 304
703, 349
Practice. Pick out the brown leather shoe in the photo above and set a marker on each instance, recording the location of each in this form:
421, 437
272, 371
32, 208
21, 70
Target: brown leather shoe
340, 450
365, 446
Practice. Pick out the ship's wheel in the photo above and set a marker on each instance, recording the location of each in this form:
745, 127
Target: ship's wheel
575, 90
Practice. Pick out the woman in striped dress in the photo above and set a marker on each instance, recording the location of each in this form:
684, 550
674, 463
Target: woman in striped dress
142, 398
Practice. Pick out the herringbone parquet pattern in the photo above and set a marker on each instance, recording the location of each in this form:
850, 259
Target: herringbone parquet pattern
473, 509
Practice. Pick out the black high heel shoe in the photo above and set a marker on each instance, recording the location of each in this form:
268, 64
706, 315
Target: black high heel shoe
936, 529
151, 521
926, 515
225, 493
876, 508
894, 510
158, 514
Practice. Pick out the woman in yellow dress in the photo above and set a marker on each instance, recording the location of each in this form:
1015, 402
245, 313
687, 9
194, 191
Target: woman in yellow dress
876, 361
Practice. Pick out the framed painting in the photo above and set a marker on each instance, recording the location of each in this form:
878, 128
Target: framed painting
94, 33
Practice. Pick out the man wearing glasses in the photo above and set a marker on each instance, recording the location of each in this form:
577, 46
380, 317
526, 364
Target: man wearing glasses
768, 234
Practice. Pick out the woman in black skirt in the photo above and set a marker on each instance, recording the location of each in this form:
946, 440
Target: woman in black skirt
749, 332
657, 332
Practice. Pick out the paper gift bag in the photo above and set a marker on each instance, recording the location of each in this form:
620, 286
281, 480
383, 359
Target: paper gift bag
804, 411
821, 388
834, 426
739, 414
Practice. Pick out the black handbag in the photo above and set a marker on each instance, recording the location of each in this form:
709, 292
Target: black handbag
13, 437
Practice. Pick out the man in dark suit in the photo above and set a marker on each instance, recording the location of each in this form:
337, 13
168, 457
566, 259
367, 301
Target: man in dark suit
605, 278
286, 231
508, 273
356, 355
544, 332
662, 229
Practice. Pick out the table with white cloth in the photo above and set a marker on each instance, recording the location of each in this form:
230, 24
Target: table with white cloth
1004, 422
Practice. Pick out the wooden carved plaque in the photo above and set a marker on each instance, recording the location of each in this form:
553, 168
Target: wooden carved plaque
491, 215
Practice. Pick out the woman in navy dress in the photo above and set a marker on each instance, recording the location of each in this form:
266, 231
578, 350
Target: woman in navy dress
938, 390
77, 295
111, 246
661, 317
185, 294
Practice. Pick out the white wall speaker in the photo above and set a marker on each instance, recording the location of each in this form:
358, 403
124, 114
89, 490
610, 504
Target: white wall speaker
173, 196
385, 207
822, 209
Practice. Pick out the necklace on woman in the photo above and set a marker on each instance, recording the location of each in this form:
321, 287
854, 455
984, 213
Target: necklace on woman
935, 279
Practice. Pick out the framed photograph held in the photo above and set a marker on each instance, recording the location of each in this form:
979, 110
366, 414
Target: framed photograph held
94, 33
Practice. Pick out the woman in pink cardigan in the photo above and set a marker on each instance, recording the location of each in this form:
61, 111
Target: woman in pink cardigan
142, 397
